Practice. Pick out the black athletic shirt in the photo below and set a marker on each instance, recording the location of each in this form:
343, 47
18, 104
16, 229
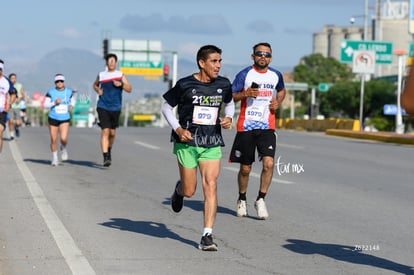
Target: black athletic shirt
189, 93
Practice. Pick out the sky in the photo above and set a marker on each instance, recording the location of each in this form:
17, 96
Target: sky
29, 33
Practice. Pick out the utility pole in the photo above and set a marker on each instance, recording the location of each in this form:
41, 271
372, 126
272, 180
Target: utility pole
171, 82
363, 75
377, 27
366, 20
399, 126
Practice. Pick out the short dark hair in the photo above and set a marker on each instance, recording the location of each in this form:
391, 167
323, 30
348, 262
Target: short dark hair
12, 74
110, 55
205, 51
262, 44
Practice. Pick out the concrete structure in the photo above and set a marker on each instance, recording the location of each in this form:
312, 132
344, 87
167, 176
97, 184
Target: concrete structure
392, 26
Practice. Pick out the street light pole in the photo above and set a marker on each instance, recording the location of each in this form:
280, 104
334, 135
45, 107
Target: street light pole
366, 20
175, 68
365, 16
399, 126
363, 75
174, 76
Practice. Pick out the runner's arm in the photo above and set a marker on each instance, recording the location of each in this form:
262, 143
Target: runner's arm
125, 85
96, 86
280, 96
407, 97
167, 111
229, 109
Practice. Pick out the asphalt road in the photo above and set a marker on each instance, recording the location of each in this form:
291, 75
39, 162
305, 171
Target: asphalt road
336, 205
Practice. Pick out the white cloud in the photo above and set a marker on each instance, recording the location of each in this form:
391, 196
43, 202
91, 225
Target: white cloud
71, 33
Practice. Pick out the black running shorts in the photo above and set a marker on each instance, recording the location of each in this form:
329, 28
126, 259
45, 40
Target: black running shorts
55, 122
3, 119
245, 144
108, 119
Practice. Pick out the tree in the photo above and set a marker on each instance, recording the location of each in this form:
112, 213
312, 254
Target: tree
343, 99
314, 69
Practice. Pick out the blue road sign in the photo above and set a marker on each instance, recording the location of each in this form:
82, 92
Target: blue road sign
391, 109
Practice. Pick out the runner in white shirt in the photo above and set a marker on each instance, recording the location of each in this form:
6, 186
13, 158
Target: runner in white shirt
6, 90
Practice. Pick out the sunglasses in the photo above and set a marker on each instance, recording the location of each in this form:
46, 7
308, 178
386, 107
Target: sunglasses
265, 54
57, 81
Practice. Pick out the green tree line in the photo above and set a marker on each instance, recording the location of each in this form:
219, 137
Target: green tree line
343, 98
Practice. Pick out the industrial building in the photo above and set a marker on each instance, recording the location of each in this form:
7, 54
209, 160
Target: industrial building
388, 21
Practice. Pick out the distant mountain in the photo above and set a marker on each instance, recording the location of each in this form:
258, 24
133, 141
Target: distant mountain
81, 67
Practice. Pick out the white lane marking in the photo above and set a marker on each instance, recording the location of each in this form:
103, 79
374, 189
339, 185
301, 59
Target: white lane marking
147, 145
255, 175
289, 146
73, 256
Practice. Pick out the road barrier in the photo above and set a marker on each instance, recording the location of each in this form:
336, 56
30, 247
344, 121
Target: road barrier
318, 124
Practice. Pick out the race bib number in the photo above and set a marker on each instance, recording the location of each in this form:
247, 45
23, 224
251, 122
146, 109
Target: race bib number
255, 113
203, 115
61, 109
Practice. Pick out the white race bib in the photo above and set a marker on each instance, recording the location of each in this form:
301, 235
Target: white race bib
61, 109
255, 113
205, 115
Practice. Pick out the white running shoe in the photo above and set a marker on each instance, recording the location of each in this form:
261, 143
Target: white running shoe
260, 206
241, 208
55, 162
64, 154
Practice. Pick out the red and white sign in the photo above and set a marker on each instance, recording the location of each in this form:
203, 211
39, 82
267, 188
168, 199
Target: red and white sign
363, 62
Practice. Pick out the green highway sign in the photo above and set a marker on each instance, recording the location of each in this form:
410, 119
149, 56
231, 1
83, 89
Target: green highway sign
324, 87
81, 110
138, 57
296, 86
411, 49
383, 50
140, 64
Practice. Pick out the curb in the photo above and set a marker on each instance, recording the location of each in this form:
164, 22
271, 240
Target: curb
376, 136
